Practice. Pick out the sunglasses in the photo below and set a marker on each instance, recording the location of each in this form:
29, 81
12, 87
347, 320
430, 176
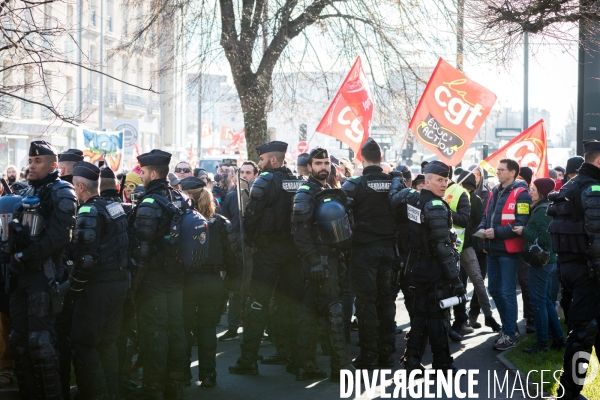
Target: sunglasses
130, 186
183, 170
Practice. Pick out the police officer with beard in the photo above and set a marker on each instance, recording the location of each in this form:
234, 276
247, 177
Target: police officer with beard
36, 264
372, 260
158, 284
575, 231
319, 226
99, 283
434, 262
267, 221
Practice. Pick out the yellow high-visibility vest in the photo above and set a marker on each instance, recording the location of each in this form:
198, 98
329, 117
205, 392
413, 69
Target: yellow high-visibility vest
451, 196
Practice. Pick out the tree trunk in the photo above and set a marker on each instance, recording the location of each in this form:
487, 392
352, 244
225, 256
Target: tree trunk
255, 119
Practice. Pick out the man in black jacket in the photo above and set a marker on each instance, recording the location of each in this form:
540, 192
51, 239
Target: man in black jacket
373, 260
160, 280
434, 262
575, 231
37, 263
321, 267
267, 221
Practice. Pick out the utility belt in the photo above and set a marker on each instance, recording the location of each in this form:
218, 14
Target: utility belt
327, 250
210, 269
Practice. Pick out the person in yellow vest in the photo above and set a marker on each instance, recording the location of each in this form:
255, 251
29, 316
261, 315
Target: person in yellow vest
508, 206
458, 200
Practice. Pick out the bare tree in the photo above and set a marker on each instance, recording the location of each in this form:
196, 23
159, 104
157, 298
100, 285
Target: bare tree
37, 43
259, 38
501, 23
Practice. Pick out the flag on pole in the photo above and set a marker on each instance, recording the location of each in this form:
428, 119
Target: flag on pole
528, 149
238, 140
348, 118
450, 113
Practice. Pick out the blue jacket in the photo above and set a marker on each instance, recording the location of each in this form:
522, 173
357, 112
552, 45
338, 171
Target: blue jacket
493, 216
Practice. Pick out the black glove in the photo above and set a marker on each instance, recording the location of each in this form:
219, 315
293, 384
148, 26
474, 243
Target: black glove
317, 273
458, 289
15, 267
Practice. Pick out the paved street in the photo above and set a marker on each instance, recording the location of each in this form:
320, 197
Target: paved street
274, 383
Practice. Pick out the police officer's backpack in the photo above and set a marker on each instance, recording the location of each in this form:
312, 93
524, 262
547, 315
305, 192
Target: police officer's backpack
188, 235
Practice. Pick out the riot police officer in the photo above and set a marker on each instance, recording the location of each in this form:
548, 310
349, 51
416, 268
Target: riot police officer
575, 231
320, 226
434, 262
99, 284
37, 261
267, 221
127, 340
66, 163
158, 284
372, 260
203, 289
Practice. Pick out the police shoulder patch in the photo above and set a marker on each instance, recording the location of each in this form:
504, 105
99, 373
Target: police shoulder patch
522, 208
595, 188
265, 173
148, 200
85, 209
304, 187
437, 203
115, 210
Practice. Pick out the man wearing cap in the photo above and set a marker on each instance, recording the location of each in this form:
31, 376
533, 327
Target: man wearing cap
66, 162
37, 263
99, 284
434, 263
248, 173
320, 253
507, 207
575, 231
158, 284
267, 221
457, 199
301, 164
373, 260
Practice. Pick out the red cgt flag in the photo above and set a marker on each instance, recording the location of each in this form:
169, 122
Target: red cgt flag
450, 113
348, 118
528, 149
238, 140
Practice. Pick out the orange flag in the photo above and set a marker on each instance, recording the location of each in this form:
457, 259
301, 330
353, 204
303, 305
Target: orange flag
528, 149
348, 118
450, 113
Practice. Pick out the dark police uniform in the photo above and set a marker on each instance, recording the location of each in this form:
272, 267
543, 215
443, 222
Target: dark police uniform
32, 319
203, 293
321, 268
434, 262
575, 231
127, 340
99, 278
64, 319
371, 264
160, 294
267, 221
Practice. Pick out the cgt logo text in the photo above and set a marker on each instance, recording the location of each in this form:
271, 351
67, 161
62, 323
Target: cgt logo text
461, 384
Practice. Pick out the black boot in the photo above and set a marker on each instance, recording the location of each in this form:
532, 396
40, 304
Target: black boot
386, 359
278, 358
309, 370
245, 365
366, 360
558, 344
174, 386
412, 363
208, 378
491, 322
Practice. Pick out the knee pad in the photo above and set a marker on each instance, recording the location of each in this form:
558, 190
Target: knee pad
336, 310
17, 343
586, 333
38, 304
41, 346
